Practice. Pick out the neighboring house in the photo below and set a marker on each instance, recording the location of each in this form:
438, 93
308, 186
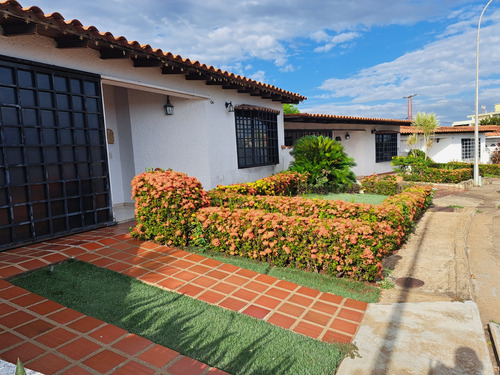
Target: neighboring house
454, 143
481, 116
372, 142
83, 111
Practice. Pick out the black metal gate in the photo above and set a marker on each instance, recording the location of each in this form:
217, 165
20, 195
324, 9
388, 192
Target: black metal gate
53, 160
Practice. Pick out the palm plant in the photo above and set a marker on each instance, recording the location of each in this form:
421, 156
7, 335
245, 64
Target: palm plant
425, 127
326, 162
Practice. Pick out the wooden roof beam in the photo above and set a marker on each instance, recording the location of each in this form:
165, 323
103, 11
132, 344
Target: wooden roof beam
13, 27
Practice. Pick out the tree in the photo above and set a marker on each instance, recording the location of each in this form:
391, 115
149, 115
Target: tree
326, 162
290, 109
490, 121
425, 127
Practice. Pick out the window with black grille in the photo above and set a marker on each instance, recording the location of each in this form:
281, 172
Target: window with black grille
256, 137
386, 147
468, 149
53, 160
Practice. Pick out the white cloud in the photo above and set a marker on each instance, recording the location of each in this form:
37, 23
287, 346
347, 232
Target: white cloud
337, 39
259, 76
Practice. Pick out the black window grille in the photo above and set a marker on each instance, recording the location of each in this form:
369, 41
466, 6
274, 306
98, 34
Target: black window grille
386, 147
256, 138
291, 135
53, 159
468, 149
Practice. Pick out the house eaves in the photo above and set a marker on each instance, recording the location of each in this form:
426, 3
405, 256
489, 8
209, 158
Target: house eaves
16, 20
453, 129
335, 119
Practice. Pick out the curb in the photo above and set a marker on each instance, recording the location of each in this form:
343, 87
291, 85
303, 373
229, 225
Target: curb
495, 335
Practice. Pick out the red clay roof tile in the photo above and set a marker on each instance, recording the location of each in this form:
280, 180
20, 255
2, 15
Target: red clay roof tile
453, 129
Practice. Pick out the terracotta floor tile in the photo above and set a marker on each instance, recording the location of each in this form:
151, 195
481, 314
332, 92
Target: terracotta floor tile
236, 280
91, 246
278, 293
232, 304
132, 344
149, 245
190, 290
158, 355
9, 271
54, 258
211, 262
8, 339
281, 320
308, 329
46, 307
48, 364
316, 317
325, 307
152, 277
187, 366
224, 288
32, 264
228, 268
85, 324
25, 352
211, 297
15, 319
256, 312
168, 270
118, 266
195, 258
332, 336
353, 315
268, 302
79, 348
290, 309
35, 328
245, 294
198, 268
186, 275
56, 337
28, 299
12, 292
182, 264
104, 361
120, 246
135, 272
313, 293
300, 300
204, 281
256, 286
134, 368
102, 262
6, 309
108, 333
216, 371
286, 285
65, 316
107, 241
344, 326
171, 284
151, 265
219, 275
353, 304
88, 257
75, 370
246, 273
4, 284
178, 253
332, 298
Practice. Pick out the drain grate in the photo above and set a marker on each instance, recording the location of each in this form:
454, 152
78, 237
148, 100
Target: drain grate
408, 282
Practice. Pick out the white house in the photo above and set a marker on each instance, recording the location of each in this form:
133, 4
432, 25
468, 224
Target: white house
372, 142
454, 143
83, 111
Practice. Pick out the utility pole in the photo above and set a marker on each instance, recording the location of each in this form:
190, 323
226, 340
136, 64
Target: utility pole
409, 103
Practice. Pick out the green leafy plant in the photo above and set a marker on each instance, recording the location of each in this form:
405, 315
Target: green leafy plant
383, 185
425, 126
325, 162
20, 368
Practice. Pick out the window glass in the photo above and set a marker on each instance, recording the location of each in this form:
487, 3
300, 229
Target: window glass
386, 147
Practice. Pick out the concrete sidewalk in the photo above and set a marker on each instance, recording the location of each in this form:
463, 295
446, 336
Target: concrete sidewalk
432, 324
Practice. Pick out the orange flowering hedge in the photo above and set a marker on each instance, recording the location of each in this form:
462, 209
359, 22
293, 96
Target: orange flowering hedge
165, 202
340, 238
283, 183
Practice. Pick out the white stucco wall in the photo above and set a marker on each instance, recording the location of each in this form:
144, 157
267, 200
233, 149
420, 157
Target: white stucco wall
199, 139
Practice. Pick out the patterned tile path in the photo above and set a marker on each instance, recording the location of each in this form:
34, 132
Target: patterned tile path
323, 316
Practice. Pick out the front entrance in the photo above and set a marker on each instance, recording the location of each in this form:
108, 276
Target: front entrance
53, 161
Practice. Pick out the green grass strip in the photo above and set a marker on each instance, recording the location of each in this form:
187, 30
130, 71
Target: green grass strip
224, 339
342, 287
355, 198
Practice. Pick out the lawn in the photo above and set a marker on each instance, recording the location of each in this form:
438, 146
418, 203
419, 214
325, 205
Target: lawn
355, 198
233, 342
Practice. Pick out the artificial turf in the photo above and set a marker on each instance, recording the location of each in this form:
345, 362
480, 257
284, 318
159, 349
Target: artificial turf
230, 341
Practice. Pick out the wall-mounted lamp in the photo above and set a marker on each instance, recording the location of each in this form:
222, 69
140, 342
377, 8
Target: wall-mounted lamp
374, 131
437, 140
229, 106
169, 108
347, 136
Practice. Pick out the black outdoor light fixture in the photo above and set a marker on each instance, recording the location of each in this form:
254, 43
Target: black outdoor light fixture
229, 106
347, 136
169, 108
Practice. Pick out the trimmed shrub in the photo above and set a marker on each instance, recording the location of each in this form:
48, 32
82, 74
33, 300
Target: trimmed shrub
383, 185
165, 202
283, 183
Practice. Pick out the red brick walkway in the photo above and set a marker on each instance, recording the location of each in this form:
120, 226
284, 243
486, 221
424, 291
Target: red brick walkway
323, 316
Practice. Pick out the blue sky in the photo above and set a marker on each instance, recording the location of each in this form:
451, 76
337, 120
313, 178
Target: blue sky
353, 58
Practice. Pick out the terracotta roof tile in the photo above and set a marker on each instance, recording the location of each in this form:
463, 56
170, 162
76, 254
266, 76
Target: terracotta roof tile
453, 129
304, 117
54, 25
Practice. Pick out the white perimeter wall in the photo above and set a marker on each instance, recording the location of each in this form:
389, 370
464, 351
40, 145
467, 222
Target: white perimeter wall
199, 139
